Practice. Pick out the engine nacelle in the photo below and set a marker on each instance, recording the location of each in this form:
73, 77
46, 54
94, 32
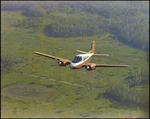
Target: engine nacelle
90, 66
63, 62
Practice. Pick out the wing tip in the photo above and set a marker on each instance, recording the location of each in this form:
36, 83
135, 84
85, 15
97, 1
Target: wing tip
35, 51
125, 65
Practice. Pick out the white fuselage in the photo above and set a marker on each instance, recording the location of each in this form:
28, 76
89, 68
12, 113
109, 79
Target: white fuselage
80, 59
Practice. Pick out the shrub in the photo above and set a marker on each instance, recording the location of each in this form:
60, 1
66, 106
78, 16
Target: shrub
35, 11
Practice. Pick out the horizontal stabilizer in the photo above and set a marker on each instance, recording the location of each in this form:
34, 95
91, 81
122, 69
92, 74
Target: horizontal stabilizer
100, 54
81, 51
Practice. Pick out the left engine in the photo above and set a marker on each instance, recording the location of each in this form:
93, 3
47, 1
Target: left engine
90, 66
62, 62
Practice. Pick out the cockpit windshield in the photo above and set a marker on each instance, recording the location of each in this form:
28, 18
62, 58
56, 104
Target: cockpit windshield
77, 59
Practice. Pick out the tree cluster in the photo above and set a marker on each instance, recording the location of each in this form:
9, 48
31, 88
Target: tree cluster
35, 11
31, 22
72, 27
122, 92
128, 20
138, 77
130, 91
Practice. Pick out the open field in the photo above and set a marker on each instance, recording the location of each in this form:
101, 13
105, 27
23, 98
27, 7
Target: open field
83, 100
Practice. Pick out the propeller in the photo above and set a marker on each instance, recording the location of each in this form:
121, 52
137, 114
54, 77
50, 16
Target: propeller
85, 71
58, 63
87, 67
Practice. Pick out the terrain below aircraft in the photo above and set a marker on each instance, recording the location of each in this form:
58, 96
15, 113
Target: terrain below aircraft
81, 60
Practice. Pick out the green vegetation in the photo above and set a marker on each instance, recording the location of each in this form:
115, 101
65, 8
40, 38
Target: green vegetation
30, 92
59, 29
35, 11
128, 21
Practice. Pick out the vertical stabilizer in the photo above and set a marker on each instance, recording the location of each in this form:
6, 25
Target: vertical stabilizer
93, 47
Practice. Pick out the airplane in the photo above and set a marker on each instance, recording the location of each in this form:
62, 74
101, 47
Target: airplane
81, 60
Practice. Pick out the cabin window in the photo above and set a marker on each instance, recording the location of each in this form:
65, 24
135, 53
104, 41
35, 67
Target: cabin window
77, 59
85, 57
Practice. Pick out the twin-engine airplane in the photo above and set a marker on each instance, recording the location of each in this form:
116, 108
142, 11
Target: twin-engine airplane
81, 60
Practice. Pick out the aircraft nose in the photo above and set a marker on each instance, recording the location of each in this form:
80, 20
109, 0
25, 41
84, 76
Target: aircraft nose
71, 65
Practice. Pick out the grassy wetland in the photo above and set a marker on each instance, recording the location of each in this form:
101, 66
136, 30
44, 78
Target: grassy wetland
35, 86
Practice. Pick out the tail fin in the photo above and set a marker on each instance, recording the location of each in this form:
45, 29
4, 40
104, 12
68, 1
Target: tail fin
93, 47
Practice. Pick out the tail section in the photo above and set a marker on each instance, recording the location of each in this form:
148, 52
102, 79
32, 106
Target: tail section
92, 47
93, 50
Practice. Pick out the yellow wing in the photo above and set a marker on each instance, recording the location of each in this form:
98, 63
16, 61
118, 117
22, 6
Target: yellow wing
92, 66
60, 61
